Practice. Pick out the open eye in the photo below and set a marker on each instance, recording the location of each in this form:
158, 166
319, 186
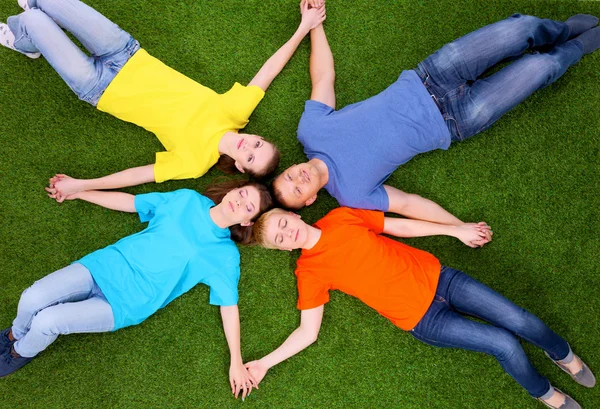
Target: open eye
258, 144
250, 158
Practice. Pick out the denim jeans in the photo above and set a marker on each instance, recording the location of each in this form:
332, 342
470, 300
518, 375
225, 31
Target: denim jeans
64, 302
444, 325
471, 104
39, 30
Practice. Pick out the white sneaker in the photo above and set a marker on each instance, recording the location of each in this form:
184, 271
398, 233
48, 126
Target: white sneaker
7, 39
23, 4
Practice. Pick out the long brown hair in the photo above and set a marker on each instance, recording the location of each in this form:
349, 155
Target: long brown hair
226, 164
217, 191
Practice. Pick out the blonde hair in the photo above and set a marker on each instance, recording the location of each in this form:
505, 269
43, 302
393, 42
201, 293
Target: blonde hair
259, 231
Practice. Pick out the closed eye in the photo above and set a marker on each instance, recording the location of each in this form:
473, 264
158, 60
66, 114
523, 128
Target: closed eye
278, 239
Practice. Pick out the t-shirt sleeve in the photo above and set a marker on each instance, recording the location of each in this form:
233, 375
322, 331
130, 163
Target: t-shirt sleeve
376, 200
147, 204
224, 286
371, 219
308, 127
172, 165
312, 292
241, 101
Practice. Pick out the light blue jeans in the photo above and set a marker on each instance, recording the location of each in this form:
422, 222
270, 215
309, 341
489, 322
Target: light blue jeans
39, 30
471, 102
64, 302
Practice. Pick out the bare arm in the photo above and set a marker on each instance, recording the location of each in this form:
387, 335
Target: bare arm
239, 379
270, 69
471, 234
66, 185
302, 337
123, 202
322, 70
417, 207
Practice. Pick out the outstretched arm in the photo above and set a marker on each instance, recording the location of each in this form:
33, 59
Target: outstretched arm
123, 202
239, 378
471, 234
417, 207
302, 337
322, 70
311, 17
66, 185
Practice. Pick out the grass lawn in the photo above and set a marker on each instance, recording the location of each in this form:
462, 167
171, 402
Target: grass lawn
534, 177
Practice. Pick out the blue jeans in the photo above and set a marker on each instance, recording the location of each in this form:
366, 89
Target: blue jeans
444, 325
64, 302
471, 104
39, 30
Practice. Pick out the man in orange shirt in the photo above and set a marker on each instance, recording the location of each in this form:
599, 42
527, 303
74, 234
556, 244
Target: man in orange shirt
345, 251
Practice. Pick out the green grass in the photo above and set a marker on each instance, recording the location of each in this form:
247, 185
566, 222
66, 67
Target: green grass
534, 177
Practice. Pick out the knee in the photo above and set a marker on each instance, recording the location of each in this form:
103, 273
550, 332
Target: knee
32, 300
45, 322
506, 345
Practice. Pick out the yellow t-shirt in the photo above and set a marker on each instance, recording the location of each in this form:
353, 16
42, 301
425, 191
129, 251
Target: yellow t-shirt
188, 118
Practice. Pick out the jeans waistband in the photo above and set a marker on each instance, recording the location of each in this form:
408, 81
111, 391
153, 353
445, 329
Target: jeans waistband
422, 73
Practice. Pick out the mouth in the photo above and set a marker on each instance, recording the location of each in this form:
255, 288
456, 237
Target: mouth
306, 175
239, 145
231, 207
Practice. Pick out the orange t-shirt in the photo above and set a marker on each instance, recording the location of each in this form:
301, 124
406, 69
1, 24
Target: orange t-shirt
397, 280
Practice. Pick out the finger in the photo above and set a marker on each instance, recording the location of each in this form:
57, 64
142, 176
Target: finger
244, 391
60, 199
252, 380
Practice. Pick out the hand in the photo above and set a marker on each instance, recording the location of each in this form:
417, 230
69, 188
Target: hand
241, 381
313, 16
316, 3
257, 370
62, 187
474, 234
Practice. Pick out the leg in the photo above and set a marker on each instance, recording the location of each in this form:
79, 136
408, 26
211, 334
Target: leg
91, 315
37, 32
72, 283
445, 328
471, 297
478, 106
99, 35
470, 56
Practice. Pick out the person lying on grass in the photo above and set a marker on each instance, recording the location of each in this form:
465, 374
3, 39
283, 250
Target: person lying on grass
346, 251
189, 240
352, 151
197, 126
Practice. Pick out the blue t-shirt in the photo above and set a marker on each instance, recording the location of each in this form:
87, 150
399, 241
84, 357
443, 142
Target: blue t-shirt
180, 248
363, 143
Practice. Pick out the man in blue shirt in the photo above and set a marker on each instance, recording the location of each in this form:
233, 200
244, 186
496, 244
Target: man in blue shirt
353, 151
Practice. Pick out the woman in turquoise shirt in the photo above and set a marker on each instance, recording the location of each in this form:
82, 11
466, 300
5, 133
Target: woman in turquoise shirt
188, 240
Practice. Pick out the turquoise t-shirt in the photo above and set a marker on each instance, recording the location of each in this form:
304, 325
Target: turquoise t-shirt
180, 248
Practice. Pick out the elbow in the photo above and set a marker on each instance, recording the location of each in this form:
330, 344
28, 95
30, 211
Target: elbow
311, 337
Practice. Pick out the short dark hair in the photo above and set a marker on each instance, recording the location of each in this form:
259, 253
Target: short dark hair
280, 199
217, 191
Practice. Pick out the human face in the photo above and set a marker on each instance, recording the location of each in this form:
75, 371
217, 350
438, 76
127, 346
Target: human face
241, 205
286, 231
252, 152
299, 185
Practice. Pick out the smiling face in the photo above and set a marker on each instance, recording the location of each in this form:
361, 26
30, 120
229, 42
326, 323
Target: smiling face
252, 153
298, 185
285, 230
241, 205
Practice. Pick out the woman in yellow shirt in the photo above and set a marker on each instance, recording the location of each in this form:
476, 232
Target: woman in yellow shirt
197, 126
